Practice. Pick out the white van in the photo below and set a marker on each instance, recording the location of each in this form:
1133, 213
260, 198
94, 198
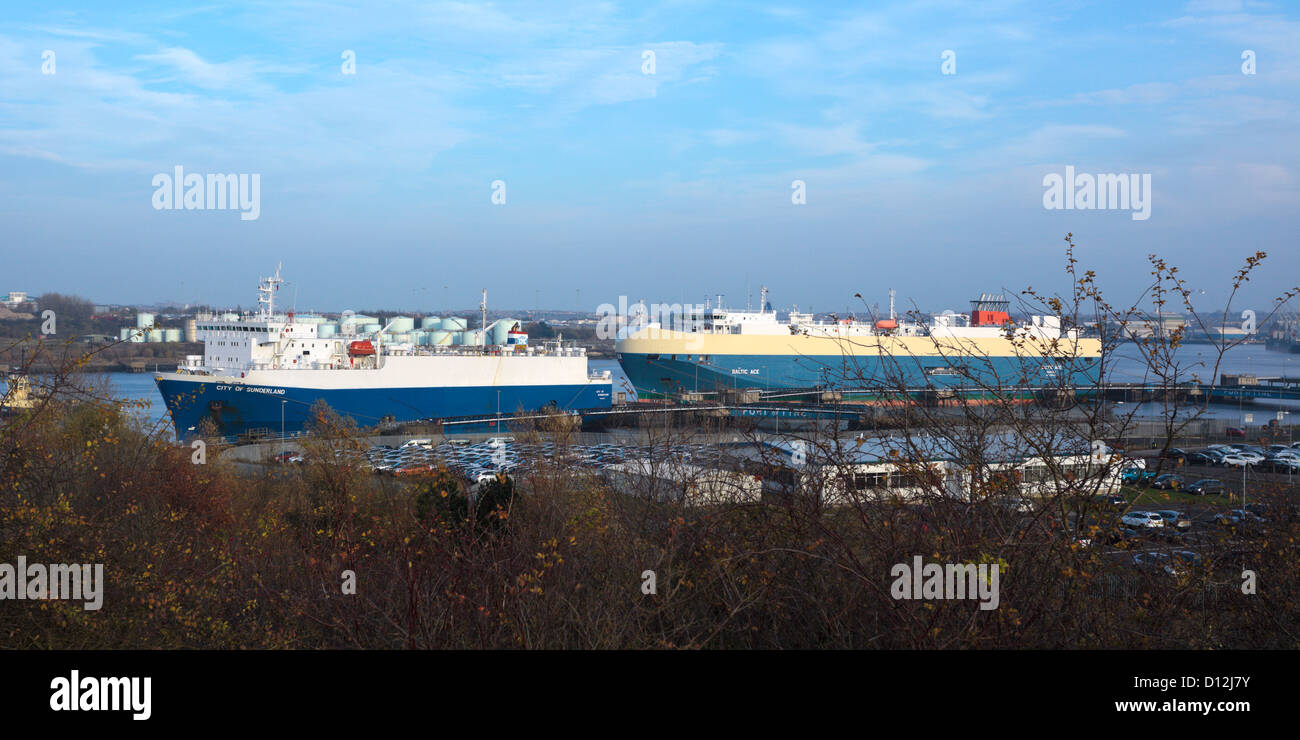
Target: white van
416, 443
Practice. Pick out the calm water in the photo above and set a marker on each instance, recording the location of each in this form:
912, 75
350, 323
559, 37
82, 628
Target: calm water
1128, 367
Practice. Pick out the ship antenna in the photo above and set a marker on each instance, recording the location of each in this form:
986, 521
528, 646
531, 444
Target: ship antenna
891, 304
266, 292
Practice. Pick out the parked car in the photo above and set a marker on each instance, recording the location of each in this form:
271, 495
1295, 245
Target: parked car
1168, 482
1237, 460
1176, 519
1136, 476
1205, 487
1174, 563
1205, 457
1018, 505
1142, 520
1175, 454
1284, 464
1124, 538
1236, 432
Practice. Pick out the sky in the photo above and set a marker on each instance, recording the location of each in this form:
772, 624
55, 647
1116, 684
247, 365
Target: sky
921, 133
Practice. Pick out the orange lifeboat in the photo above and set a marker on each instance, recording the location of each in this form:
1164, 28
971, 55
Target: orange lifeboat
362, 348
886, 324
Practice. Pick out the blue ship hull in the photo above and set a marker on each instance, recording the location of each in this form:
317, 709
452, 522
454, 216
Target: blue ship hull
681, 373
234, 409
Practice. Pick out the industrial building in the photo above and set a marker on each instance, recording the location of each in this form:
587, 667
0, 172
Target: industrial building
860, 469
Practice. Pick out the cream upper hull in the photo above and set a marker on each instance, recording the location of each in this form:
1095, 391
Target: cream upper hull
652, 341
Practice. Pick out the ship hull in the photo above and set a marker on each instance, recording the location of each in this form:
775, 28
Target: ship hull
228, 407
656, 373
670, 362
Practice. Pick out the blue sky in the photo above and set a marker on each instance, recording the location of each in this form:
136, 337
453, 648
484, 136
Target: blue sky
376, 187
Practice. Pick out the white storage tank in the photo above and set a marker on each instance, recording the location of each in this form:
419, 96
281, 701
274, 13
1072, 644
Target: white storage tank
430, 322
401, 324
144, 320
171, 335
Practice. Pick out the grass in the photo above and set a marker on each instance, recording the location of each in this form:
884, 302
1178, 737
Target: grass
1153, 497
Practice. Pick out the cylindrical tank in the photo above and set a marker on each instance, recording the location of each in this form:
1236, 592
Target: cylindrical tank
191, 330
441, 337
472, 338
370, 328
454, 323
144, 320
430, 322
403, 338
501, 330
401, 324
325, 331
125, 333
171, 335
154, 336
